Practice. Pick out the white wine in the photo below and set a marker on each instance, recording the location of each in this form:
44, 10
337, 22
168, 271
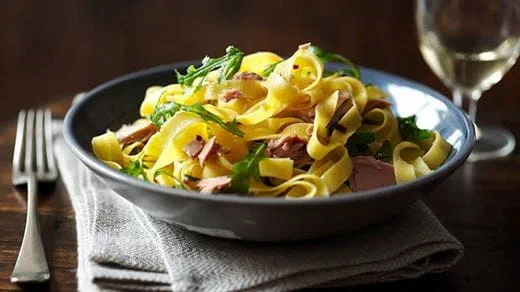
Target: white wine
469, 64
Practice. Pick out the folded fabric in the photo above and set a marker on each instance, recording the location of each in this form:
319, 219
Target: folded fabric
120, 247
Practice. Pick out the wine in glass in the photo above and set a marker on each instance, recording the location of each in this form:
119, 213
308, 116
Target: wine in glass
470, 45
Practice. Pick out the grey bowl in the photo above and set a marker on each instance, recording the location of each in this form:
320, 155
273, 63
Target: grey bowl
242, 217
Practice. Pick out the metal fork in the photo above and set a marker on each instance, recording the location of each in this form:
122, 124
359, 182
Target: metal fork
33, 162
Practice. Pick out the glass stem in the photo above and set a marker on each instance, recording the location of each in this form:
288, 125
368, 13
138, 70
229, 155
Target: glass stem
457, 98
471, 97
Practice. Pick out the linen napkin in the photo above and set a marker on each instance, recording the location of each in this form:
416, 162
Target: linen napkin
120, 247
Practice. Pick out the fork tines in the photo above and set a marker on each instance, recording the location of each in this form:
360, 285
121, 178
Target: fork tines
33, 152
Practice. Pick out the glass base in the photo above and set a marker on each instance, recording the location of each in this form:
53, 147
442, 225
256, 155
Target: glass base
492, 142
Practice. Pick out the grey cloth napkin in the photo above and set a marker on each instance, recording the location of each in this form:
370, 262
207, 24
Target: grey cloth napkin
122, 248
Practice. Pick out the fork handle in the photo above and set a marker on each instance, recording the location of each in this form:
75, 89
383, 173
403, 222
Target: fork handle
31, 264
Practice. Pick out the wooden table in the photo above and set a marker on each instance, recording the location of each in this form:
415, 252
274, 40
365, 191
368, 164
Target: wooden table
50, 51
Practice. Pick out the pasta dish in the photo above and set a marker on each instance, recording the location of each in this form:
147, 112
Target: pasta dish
266, 126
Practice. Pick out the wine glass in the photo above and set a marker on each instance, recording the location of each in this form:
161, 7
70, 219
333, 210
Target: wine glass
470, 45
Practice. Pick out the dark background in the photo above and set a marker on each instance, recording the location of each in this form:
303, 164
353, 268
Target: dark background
53, 49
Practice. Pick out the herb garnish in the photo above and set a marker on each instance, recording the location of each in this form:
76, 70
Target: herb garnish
357, 144
227, 65
385, 152
270, 68
325, 57
135, 169
409, 130
167, 110
245, 168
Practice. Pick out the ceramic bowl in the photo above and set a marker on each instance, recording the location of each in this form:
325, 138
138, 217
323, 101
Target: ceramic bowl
116, 102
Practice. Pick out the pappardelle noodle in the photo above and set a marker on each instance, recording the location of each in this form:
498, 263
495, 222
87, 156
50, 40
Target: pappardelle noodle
265, 126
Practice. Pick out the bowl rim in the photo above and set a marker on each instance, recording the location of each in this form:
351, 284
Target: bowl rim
98, 167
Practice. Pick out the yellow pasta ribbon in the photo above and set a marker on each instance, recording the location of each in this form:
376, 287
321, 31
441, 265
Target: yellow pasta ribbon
276, 167
107, 148
382, 124
168, 131
278, 105
279, 95
408, 163
270, 129
303, 69
324, 112
374, 92
174, 151
438, 151
308, 186
257, 62
156, 95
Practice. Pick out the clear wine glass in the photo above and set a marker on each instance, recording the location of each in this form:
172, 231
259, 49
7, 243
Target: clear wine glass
470, 45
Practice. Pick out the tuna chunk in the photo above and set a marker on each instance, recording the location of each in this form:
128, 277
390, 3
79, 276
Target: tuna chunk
209, 148
376, 103
229, 95
342, 107
247, 76
290, 146
140, 131
370, 173
194, 147
213, 184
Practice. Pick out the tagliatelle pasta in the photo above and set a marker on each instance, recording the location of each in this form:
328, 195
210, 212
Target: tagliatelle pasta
261, 125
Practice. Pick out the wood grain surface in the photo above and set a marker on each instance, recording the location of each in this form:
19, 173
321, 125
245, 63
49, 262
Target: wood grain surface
51, 50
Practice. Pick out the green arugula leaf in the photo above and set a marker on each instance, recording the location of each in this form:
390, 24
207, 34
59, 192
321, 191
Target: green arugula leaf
326, 57
385, 152
343, 72
227, 65
135, 169
409, 130
246, 168
270, 68
165, 111
357, 144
